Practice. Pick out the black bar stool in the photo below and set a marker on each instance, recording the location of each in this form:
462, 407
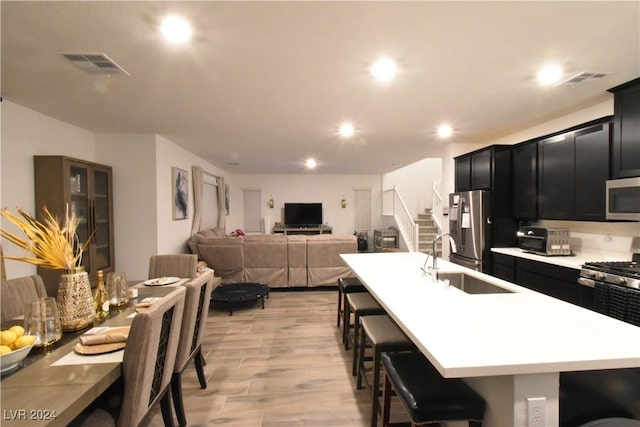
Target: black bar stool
360, 304
382, 333
347, 285
426, 395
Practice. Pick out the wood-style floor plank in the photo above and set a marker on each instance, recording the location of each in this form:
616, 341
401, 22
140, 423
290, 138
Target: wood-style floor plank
281, 366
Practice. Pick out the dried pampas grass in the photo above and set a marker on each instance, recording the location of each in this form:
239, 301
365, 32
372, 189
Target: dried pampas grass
52, 245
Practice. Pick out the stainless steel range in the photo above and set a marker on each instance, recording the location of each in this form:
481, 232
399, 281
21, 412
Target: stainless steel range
614, 289
621, 273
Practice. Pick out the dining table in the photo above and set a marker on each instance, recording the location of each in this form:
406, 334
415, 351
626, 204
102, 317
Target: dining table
52, 386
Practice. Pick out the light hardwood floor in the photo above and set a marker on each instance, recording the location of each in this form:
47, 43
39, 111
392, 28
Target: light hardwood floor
281, 366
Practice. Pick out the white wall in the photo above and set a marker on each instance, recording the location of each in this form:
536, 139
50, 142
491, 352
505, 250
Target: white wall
172, 235
134, 198
142, 183
414, 183
307, 188
144, 225
26, 133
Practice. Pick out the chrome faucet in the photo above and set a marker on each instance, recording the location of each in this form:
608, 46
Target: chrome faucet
434, 268
433, 252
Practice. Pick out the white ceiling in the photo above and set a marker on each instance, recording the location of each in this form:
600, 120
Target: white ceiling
266, 84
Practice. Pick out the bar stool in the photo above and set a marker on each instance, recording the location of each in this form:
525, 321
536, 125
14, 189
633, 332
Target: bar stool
347, 285
384, 335
360, 304
425, 394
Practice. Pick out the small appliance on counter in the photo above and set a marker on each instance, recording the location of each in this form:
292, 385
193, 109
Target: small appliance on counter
544, 241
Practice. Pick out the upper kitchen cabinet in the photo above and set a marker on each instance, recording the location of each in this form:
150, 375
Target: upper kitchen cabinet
490, 169
483, 169
573, 168
86, 188
525, 180
463, 173
625, 146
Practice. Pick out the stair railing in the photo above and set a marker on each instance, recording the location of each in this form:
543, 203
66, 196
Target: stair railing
437, 205
395, 206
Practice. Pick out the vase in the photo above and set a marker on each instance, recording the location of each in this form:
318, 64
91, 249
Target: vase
75, 301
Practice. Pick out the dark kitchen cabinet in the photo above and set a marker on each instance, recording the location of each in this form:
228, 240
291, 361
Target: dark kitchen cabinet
504, 267
572, 171
481, 165
549, 279
591, 172
525, 180
484, 169
463, 173
490, 169
625, 146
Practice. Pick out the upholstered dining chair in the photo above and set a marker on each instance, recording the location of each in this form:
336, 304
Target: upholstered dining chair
177, 265
149, 358
196, 308
15, 293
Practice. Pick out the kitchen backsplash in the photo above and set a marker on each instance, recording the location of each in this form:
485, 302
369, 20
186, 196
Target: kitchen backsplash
599, 236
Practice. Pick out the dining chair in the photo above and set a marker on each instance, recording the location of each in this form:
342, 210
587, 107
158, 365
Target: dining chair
15, 293
149, 358
177, 265
196, 308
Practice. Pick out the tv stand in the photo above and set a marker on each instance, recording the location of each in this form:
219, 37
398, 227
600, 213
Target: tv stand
303, 230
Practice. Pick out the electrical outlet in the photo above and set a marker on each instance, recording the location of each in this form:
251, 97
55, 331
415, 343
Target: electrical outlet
536, 411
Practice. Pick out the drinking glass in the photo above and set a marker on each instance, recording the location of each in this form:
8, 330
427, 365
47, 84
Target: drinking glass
33, 322
117, 289
52, 329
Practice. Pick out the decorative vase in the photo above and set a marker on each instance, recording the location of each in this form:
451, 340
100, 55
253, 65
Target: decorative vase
75, 302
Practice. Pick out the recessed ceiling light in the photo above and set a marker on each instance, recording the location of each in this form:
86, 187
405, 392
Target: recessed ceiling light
445, 131
549, 75
346, 130
311, 163
175, 29
383, 70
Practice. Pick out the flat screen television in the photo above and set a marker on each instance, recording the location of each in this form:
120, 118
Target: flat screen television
302, 214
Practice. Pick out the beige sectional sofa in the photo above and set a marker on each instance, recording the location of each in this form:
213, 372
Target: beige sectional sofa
276, 260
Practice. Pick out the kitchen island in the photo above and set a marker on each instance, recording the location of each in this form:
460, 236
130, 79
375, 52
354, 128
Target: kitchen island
508, 346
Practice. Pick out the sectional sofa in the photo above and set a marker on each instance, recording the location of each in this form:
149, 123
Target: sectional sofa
276, 260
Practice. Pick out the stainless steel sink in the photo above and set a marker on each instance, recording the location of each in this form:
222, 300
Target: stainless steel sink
471, 284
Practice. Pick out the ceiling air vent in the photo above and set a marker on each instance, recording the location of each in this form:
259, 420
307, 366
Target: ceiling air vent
581, 77
95, 63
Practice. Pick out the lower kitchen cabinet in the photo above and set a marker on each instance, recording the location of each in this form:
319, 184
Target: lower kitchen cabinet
549, 279
504, 267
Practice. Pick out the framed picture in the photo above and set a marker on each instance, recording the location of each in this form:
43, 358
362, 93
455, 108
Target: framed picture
226, 198
180, 193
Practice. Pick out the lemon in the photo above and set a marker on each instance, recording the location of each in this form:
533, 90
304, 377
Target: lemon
7, 337
4, 349
24, 341
18, 330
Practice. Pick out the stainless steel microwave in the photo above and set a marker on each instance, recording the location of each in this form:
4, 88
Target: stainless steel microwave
623, 199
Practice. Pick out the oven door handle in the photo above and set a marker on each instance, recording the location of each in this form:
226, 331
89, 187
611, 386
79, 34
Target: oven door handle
586, 282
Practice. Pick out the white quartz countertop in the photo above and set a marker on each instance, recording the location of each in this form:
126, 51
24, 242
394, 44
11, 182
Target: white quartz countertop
572, 261
466, 335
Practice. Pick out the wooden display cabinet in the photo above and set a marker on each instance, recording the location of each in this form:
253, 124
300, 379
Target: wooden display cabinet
87, 189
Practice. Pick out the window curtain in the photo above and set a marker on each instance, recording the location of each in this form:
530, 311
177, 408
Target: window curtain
197, 198
221, 203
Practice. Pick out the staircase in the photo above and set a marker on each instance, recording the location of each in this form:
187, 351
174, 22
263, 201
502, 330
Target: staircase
427, 232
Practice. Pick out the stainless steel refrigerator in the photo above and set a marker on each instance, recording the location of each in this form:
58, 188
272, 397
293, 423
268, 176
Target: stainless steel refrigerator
470, 228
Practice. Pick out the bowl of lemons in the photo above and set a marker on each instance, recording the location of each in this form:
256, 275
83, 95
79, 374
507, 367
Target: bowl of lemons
14, 347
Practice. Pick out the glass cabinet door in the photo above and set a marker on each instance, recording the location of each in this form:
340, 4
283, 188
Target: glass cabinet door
80, 205
101, 220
